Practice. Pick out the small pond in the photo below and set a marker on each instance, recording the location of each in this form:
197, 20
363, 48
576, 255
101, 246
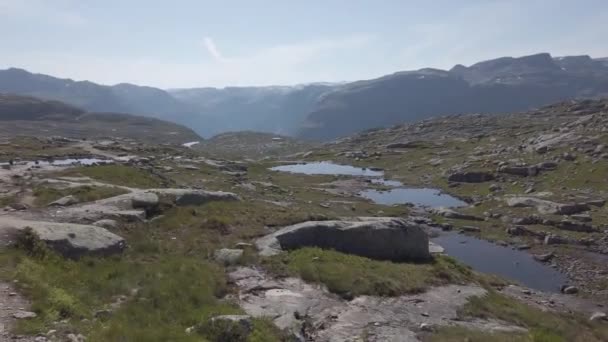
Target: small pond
397, 195
422, 197
486, 257
327, 168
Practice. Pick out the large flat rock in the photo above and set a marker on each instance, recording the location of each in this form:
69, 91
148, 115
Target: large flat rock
70, 240
382, 238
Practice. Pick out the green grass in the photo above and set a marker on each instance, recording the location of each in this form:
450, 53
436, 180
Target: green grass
351, 275
45, 195
544, 326
7, 200
117, 175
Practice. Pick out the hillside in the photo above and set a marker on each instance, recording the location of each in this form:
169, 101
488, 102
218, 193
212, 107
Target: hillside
496, 86
21, 115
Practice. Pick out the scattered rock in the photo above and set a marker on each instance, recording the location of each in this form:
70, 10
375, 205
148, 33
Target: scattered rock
471, 229
471, 177
598, 316
24, 315
228, 256
570, 290
453, 214
64, 201
144, 200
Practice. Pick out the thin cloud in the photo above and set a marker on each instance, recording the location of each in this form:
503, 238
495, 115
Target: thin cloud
212, 49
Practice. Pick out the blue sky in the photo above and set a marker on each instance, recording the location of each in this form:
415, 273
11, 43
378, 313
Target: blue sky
190, 43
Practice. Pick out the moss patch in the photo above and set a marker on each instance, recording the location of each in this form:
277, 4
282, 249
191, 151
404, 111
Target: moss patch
118, 175
45, 195
351, 275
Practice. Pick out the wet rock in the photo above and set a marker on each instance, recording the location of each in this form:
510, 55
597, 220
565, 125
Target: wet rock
70, 240
570, 290
383, 238
64, 201
519, 170
544, 257
228, 256
553, 239
471, 177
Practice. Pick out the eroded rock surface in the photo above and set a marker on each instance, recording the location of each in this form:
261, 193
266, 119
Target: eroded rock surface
311, 312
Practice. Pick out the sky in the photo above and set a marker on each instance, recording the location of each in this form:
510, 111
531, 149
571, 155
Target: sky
199, 43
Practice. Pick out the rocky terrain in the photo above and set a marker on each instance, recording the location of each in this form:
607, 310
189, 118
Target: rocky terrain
118, 239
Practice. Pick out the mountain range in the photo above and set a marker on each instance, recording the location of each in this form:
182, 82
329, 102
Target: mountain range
324, 111
24, 115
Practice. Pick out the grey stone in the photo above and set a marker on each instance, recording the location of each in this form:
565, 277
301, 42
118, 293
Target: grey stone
108, 224
24, 315
70, 240
598, 316
545, 206
453, 214
228, 256
570, 290
383, 238
144, 200
64, 201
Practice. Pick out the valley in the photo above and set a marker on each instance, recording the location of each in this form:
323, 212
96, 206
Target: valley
458, 227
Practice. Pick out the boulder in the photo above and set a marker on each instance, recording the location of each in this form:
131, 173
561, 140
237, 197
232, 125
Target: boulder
68, 239
382, 238
471, 177
228, 256
144, 200
64, 201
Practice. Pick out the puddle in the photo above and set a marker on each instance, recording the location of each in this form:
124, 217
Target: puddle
63, 162
327, 168
486, 257
418, 196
